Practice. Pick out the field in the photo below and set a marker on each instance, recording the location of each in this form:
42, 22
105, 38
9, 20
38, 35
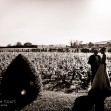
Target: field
66, 72
61, 73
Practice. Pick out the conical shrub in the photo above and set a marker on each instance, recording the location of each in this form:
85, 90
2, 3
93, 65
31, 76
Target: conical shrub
20, 83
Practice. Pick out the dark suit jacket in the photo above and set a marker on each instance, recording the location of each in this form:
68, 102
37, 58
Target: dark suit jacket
94, 63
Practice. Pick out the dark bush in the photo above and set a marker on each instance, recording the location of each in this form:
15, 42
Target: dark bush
20, 83
109, 50
85, 50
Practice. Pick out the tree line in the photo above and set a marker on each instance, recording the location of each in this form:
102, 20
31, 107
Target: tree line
20, 45
74, 46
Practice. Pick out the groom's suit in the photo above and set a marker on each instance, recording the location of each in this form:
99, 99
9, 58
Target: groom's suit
94, 61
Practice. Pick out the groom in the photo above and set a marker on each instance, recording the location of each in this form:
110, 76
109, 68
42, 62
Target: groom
94, 61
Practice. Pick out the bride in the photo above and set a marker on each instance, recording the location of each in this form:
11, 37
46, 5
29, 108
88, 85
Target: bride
101, 81
100, 88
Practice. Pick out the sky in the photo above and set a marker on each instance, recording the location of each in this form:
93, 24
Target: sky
54, 21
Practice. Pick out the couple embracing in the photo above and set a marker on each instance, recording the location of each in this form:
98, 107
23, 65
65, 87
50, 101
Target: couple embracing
100, 88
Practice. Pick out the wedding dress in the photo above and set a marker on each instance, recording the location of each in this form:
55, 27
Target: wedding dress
101, 83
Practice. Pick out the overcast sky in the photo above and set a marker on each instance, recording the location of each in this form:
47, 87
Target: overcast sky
54, 21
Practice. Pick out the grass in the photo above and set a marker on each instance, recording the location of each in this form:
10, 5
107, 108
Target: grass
52, 101
58, 101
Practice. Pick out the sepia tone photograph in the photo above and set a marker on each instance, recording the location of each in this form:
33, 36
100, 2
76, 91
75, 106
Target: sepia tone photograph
55, 55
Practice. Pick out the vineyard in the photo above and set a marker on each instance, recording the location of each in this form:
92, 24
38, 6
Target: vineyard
66, 72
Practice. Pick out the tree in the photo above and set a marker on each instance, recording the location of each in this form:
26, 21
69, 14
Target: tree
108, 44
18, 44
9, 45
71, 44
75, 44
80, 44
90, 44
28, 44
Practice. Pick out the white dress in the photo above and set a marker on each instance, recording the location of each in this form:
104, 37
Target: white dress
101, 81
